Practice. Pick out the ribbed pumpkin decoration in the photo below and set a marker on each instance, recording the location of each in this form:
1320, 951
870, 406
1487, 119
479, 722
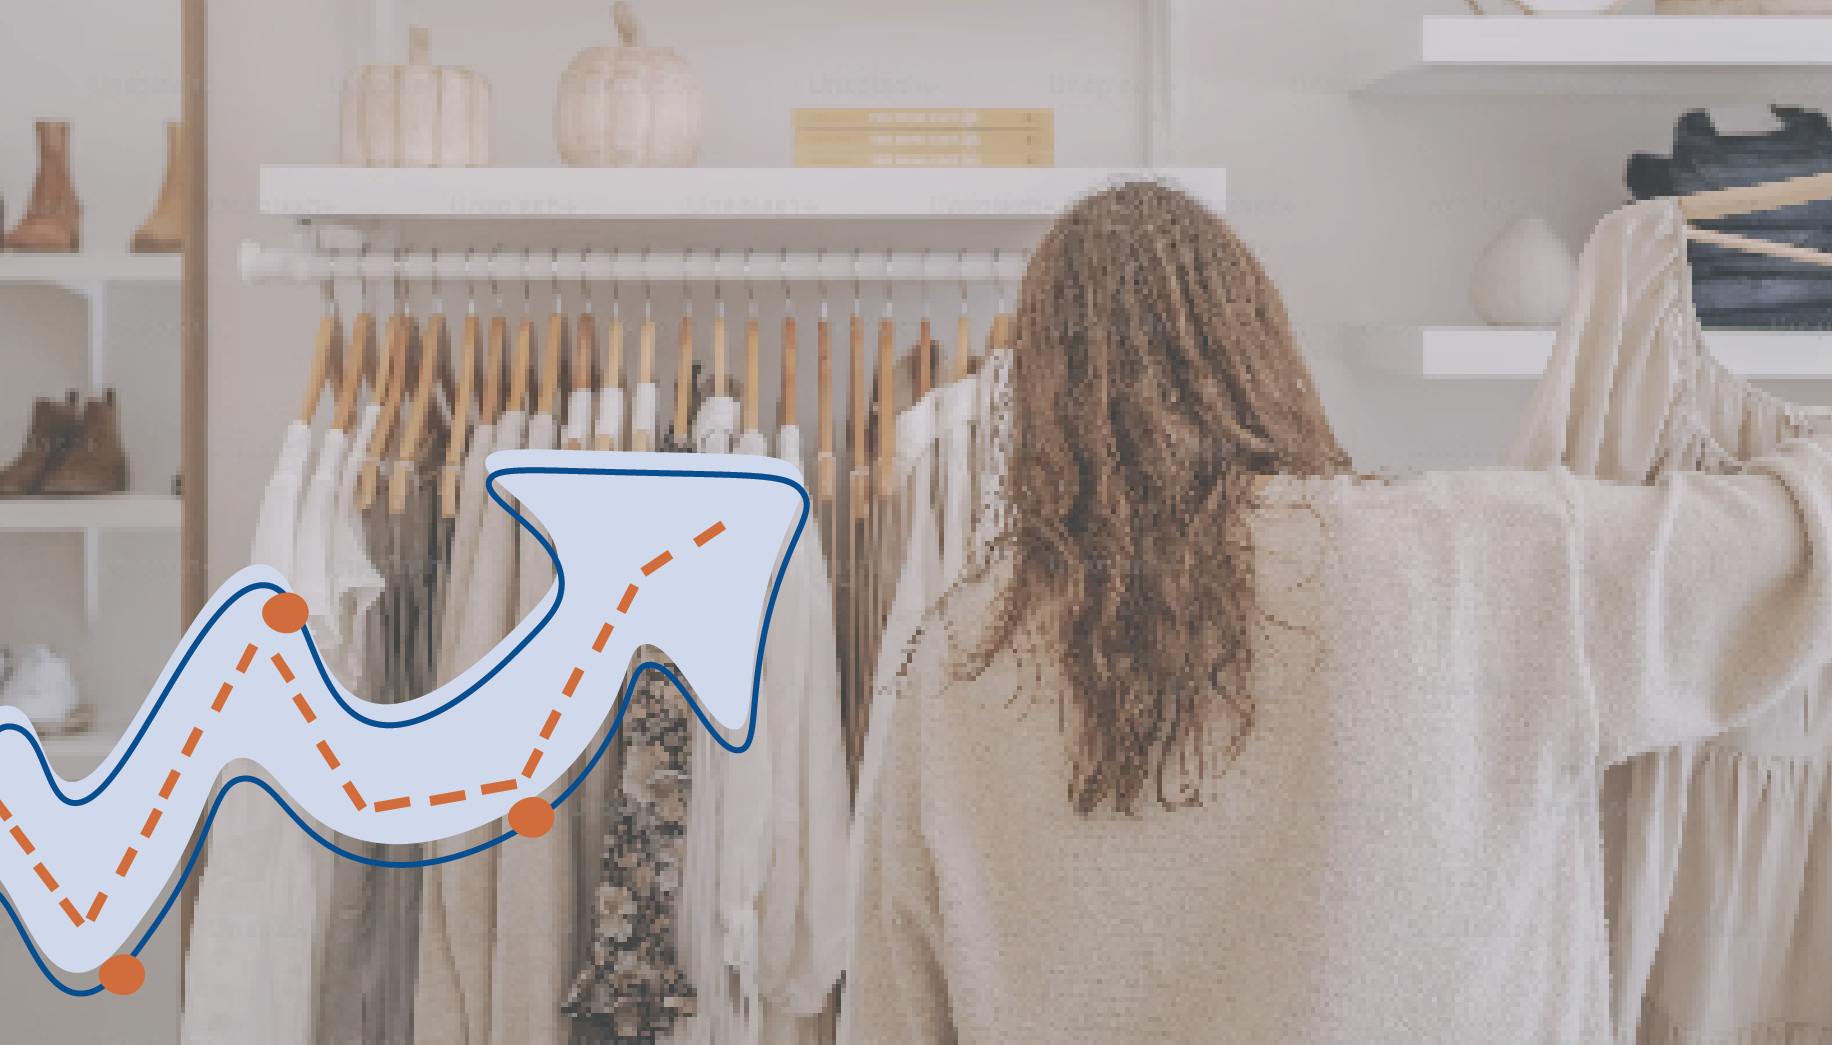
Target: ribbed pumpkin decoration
628, 105
416, 115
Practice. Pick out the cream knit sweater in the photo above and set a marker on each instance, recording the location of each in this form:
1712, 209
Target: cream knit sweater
1408, 848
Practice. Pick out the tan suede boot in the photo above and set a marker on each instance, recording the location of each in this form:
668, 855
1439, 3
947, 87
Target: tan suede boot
96, 462
53, 428
53, 215
163, 232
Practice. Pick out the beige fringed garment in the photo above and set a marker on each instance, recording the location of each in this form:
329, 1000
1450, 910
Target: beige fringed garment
1408, 847
1720, 851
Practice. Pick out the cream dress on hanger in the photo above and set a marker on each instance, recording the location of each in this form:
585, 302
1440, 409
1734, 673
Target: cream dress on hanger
254, 936
535, 890
1722, 909
453, 995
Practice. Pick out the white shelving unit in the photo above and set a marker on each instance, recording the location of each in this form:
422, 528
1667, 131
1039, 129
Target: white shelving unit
91, 517
1729, 57
1521, 353
92, 274
799, 193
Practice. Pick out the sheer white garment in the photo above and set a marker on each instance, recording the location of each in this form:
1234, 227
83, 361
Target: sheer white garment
1721, 917
803, 916
255, 932
535, 890
453, 995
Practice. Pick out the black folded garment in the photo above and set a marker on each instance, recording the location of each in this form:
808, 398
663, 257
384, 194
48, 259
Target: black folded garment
1704, 159
1802, 319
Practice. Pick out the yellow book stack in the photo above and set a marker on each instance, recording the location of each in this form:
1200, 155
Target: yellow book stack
925, 137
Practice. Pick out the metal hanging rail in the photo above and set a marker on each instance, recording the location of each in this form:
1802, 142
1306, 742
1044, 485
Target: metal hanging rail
261, 263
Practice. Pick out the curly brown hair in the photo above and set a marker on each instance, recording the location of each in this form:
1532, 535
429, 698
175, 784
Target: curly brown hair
1155, 376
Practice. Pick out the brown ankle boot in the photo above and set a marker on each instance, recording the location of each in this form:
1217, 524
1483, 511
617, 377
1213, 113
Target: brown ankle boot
53, 214
95, 462
163, 232
53, 427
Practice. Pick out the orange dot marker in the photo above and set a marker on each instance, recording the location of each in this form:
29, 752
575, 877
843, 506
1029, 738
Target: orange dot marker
531, 817
285, 613
122, 974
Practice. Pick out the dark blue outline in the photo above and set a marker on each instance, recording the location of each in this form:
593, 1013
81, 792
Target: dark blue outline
636, 677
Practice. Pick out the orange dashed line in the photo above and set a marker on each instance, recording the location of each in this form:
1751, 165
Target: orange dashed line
24, 842
657, 563
534, 759
5, 813
171, 781
390, 804
44, 875
152, 821
497, 787
356, 798
553, 719
604, 636
127, 861
708, 534
304, 708
190, 742
330, 759
222, 697
286, 673
572, 682
446, 798
95, 906
629, 596
76, 917
241, 666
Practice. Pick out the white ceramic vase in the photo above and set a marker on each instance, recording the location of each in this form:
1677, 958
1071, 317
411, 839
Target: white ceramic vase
1525, 277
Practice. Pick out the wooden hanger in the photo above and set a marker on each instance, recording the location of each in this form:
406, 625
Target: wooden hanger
431, 347
642, 437
521, 360
963, 330
490, 382
861, 466
785, 396
469, 344
610, 381
327, 358
825, 479
1752, 199
356, 367
401, 335
887, 403
752, 369
683, 373
557, 348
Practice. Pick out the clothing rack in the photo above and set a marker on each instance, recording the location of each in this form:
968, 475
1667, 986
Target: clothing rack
262, 263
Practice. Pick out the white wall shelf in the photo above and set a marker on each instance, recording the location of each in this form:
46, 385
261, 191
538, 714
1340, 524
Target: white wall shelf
92, 275
91, 517
81, 271
1733, 57
1521, 353
692, 193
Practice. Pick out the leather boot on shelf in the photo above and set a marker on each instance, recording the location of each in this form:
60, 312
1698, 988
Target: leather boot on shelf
95, 462
53, 428
163, 232
52, 215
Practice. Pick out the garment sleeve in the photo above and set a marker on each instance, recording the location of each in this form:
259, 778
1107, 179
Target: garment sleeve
896, 990
1702, 600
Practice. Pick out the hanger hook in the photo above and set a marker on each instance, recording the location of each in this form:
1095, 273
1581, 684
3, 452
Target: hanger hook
855, 280
526, 255
585, 290
927, 303
890, 286
998, 276
718, 286
960, 271
750, 288
782, 272
438, 285
403, 302
496, 290
648, 289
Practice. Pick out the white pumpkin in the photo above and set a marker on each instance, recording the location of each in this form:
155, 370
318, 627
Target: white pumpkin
416, 115
628, 105
1525, 277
